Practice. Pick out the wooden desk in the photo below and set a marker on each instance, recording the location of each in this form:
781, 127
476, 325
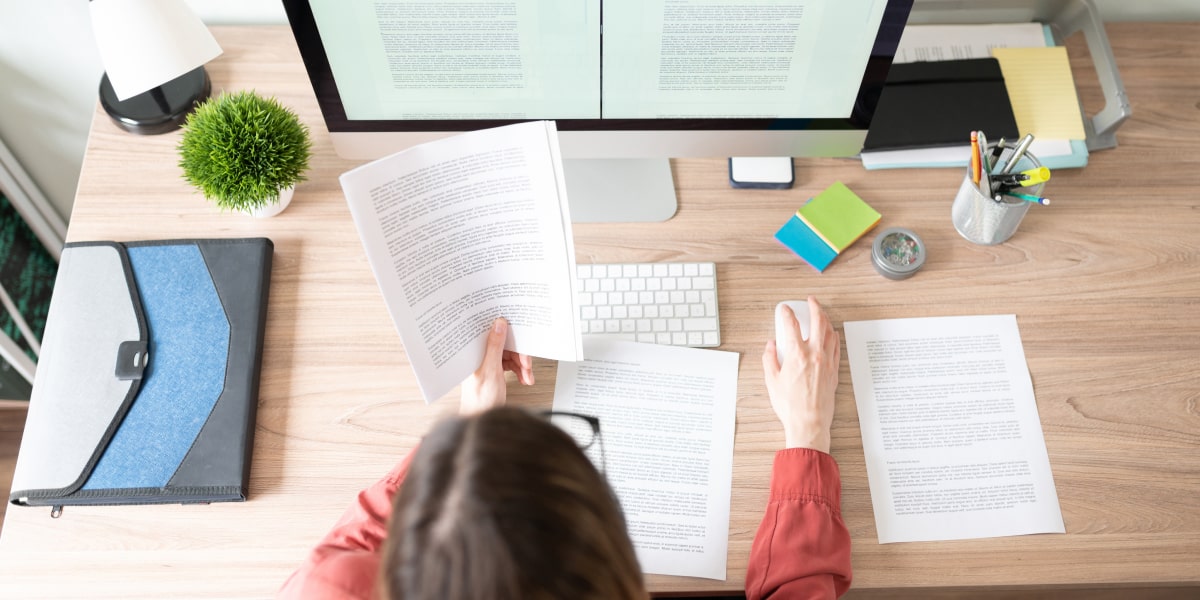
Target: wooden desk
1105, 284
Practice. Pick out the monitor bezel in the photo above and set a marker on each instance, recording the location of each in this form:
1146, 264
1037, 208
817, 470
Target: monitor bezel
316, 62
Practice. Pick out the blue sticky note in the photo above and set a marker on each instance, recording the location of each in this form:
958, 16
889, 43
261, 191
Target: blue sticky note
798, 238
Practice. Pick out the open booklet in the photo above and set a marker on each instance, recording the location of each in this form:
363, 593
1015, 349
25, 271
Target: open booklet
465, 229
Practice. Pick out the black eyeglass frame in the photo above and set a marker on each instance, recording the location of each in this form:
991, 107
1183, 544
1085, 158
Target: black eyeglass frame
592, 421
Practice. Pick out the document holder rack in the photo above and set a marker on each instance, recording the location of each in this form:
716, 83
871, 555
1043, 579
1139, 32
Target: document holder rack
1065, 18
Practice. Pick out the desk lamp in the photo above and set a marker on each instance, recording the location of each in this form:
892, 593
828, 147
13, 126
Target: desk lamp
153, 53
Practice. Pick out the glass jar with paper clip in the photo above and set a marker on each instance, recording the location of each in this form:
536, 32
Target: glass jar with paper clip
988, 212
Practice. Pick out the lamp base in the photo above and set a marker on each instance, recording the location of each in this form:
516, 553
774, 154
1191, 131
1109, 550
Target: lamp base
158, 110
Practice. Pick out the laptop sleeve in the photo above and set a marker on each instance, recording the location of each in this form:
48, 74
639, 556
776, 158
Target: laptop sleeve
147, 386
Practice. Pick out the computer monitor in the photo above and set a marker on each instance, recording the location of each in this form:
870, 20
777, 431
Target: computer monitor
630, 83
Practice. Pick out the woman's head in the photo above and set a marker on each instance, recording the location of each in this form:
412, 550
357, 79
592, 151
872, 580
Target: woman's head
504, 505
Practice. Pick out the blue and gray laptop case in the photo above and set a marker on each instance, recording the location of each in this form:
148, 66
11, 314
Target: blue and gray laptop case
147, 385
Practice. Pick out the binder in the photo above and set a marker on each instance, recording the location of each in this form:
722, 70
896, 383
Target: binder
147, 386
938, 104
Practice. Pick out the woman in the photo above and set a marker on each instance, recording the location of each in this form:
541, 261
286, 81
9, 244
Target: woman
502, 504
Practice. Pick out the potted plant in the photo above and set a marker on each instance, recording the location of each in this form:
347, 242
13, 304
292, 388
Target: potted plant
244, 152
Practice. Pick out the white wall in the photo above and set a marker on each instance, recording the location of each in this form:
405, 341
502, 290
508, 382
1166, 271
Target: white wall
49, 72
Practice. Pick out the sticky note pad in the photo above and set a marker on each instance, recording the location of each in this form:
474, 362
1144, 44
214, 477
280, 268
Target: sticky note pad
807, 245
1042, 91
838, 216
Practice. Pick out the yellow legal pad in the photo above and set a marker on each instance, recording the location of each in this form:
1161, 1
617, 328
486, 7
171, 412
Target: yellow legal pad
838, 216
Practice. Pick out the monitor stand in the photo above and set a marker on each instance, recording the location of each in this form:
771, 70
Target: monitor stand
620, 190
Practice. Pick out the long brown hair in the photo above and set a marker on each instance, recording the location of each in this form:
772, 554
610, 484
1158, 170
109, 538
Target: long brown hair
504, 505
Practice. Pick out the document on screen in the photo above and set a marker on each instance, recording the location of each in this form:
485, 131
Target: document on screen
666, 426
953, 444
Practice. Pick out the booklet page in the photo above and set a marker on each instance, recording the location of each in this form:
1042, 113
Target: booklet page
950, 428
666, 425
466, 229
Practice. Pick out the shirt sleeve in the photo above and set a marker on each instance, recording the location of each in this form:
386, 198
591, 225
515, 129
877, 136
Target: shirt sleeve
352, 545
802, 548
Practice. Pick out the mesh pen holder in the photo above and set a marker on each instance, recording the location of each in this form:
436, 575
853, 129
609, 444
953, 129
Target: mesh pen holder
982, 219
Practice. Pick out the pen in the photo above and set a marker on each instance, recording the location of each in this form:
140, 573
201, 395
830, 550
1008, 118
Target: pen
1028, 198
998, 150
984, 162
1018, 152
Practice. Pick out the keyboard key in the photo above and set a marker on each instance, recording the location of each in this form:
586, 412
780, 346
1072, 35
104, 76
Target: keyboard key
691, 269
706, 269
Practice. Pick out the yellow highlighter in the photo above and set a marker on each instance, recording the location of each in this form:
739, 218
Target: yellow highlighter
1035, 176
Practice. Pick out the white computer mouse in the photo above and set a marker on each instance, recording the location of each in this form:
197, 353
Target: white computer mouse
800, 309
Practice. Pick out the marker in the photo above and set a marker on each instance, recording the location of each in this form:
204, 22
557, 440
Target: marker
1035, 176
1028, 198
1017, 154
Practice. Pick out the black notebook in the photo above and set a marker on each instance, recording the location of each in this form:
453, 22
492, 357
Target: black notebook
147, 385
931, 104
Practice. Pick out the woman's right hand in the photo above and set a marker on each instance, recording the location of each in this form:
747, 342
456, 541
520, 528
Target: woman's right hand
802, 388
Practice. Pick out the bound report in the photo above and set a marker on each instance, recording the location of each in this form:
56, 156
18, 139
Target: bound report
465, 229
147, 385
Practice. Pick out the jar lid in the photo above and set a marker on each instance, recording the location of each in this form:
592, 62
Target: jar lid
898, 253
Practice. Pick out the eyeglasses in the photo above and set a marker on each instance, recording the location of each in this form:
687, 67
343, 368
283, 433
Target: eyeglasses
584, 429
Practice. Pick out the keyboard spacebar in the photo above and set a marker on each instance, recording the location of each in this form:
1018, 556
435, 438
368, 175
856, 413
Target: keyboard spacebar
628, 337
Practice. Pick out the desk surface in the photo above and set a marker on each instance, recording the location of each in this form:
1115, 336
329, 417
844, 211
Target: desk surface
1105, 284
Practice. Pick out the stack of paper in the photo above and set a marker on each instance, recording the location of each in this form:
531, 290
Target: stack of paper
826, 225
1040, 88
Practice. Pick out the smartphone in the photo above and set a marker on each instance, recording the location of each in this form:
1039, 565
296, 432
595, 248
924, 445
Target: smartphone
761, 172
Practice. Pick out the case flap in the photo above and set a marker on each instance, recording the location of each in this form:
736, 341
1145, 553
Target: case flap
87, 374
931, 104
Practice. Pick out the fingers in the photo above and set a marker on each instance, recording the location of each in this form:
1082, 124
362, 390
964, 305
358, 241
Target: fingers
791, 341
817, 321
493, 353
770, 360
521, 365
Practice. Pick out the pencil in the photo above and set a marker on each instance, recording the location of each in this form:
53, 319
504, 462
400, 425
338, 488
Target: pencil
975, 165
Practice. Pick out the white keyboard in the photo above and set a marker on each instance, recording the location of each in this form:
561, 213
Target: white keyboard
661, 303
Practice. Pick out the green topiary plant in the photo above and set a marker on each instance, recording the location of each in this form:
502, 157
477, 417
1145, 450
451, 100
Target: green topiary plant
241, 150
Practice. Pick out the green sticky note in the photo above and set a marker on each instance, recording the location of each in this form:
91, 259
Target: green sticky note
838, 216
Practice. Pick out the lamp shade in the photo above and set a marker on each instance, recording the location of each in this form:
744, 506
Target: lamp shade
145, 43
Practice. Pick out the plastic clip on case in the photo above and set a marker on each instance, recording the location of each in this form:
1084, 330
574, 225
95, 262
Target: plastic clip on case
147, 385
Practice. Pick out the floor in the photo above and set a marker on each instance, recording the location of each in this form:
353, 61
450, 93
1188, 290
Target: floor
12, 421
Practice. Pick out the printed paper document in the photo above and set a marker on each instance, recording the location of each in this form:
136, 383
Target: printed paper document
950, 428
465, 229
666, 426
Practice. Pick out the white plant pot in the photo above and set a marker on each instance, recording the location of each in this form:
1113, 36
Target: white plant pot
270, 210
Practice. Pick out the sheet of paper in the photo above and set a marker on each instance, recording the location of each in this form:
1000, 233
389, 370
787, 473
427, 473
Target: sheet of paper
666, 424
1042, 91
951, 42
957, 155
950, 428
465, 229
